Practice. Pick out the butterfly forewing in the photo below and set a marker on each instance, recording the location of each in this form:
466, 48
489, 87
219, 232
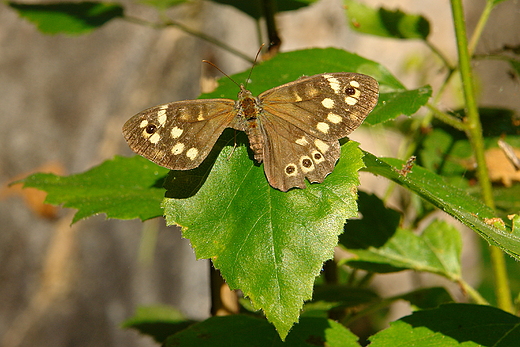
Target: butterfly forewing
179, 135
328, 106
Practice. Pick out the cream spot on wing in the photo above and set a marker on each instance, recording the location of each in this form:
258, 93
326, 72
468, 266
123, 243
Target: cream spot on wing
200, 117
328, 103
334, 118
354, 84
323, 127
154, 138
351, 101
327, 76
311, 93
322, 146
334, 84
306, 164
178, 148
161, 117
317, 157
291, 170
144, 123
302, 141
192, 153
354, 116
176, 132
297, 97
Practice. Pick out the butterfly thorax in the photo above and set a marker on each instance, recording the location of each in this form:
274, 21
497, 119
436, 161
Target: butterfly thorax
248, 109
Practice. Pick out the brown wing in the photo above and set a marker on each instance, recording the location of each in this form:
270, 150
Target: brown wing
178, 135
291, 155
327, 106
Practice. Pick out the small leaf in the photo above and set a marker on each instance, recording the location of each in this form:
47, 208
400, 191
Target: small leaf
516, 223
377, 225
428, 297
386, 23
456, 202
253, 8
437, 251
158, 321
123, 188
496, 2
393, 104
163, 4
343, 296
452, 325
506, 199
268, 243
515, 64
68, 17
242, 330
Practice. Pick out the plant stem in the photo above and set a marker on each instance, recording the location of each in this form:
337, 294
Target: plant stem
474, 133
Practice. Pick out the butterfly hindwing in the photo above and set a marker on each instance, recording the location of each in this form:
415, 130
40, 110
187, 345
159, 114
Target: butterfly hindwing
291, 155
179, 135
327, 106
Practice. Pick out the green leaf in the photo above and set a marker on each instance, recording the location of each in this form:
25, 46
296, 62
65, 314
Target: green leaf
242, 330
254, 8
506, 200
394, 99
376, 227
515, 64
496, 2
343, 295
158, 322
335, 300
452, 325
516, 223
163, 4
437, 251
428, 297
386, 23
123, 188
394, 104
456, 202
68, 17
268, 243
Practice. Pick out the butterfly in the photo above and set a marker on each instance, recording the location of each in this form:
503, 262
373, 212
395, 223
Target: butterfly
293, 128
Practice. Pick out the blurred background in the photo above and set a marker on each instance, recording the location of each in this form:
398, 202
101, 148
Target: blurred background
63, 101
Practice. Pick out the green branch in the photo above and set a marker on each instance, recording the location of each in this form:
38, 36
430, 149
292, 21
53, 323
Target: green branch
474, 133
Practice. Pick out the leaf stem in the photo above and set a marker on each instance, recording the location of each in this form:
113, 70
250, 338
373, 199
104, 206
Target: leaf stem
441, 56
480, 26
474, 133
472, 293
447, 118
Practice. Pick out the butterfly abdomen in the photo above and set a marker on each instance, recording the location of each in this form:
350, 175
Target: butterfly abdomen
248, 110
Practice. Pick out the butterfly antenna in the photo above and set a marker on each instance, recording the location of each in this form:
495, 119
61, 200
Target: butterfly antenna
254, 63
222, 72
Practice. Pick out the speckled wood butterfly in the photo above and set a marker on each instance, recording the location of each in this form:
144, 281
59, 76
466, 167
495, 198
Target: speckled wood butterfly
293, 129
